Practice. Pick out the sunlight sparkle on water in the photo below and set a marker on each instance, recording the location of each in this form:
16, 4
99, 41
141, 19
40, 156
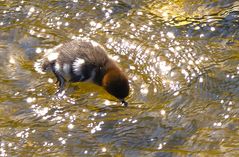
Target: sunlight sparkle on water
40, 111
62, 140
144, 89
38, 50
226, 116
139, 13
165, 68
170, 35
107, 102
66, 24
163, 112
23, 134
176, 93
212, 29
31, 10
70, 126
18, 8
200, 79
160, 146
30, 99
97, 127
50, 80
219, 124
103, 149
134, 121
12, 60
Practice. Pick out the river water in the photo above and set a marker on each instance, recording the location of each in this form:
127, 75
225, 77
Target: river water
182, 59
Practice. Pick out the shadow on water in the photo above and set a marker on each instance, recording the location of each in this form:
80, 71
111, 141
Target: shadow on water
181, 58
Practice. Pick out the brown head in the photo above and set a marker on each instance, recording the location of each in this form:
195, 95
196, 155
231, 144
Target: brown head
117, 84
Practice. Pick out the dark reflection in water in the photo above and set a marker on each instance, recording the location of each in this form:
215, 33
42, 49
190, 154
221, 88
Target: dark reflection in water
181, 58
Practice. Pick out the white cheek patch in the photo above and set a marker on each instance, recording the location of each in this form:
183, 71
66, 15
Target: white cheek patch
57, 66
77, 65
52, 56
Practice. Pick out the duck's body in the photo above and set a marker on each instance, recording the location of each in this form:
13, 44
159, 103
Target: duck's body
81, 60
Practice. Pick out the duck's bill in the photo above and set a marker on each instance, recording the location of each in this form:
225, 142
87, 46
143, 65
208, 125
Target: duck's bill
124, 102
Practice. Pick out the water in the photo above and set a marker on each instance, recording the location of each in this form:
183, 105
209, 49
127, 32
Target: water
182, 60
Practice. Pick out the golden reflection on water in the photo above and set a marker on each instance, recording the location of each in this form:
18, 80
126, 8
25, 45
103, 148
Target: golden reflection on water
160, 68
179, 13
182, 73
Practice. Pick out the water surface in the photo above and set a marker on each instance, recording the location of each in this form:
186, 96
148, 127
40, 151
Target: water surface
182, 59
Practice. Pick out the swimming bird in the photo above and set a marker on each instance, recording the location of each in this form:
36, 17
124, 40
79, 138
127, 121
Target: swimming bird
86, 60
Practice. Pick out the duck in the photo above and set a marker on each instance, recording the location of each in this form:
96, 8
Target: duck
86, 61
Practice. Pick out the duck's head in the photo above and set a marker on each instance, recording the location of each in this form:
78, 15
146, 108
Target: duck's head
116, 83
